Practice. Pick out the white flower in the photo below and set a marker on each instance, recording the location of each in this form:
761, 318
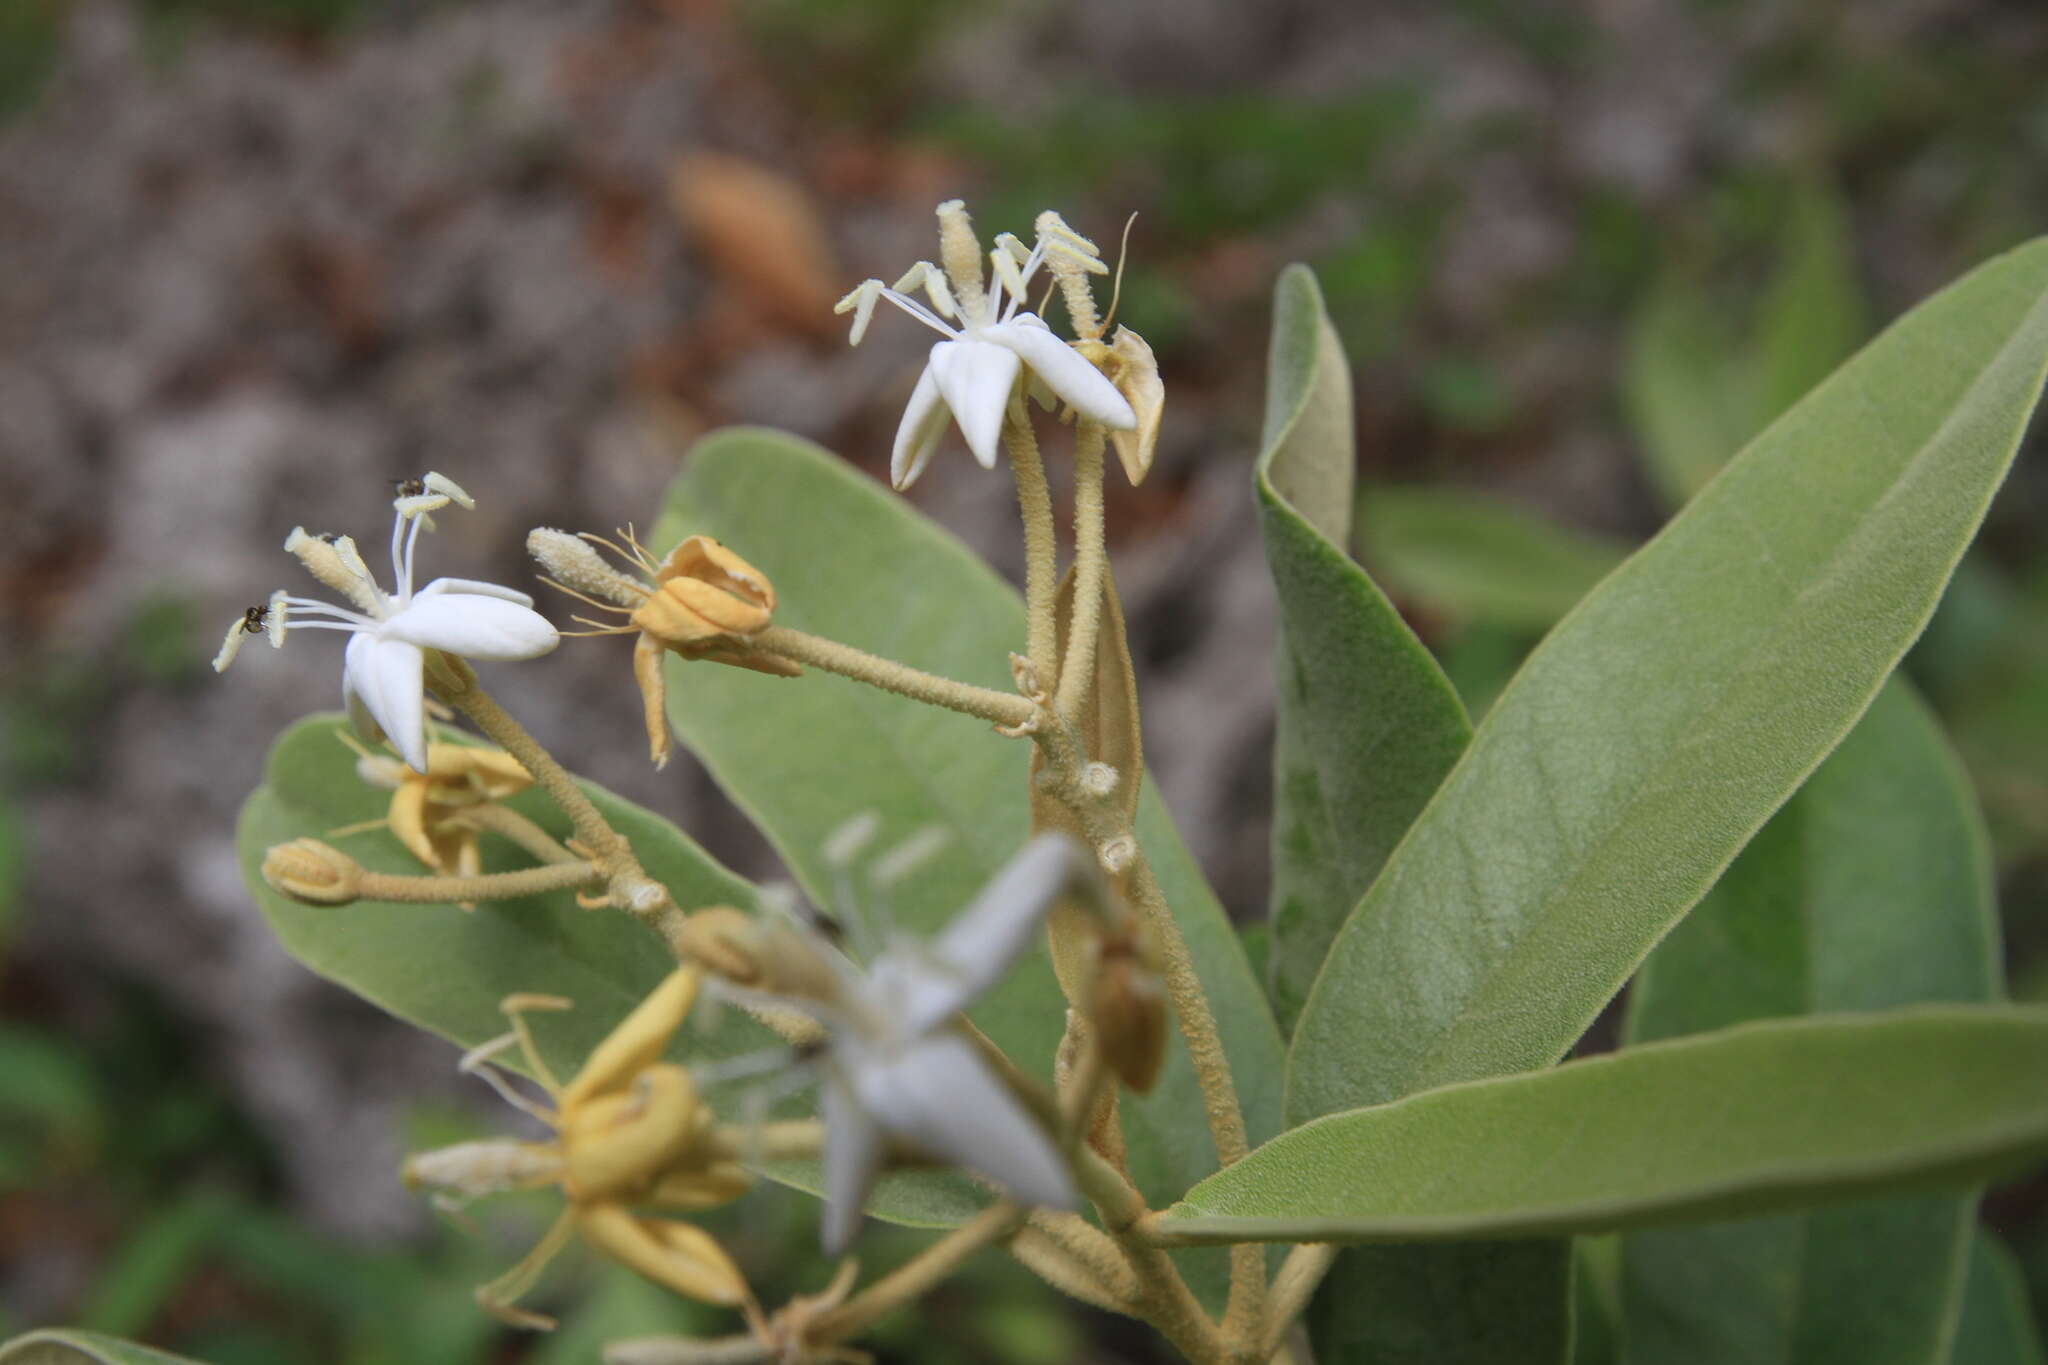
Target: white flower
900, 1072
972, 373
382, 682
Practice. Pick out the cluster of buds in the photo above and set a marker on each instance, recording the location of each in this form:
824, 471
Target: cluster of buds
701, 602
630, 1133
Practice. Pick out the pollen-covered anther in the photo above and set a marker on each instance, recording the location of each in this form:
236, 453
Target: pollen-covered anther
1116, 855
335, 561
310, 871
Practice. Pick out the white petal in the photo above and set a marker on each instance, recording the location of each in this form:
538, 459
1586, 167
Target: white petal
359, 717
1065, 371
917, 435
475, 585
474, 626
940, 1097
385, 676
998, 927
976, 377
853, 1153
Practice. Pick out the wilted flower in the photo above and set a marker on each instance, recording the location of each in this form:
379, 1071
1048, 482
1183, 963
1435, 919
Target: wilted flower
705, 602
383, 674
424, 804
629, 1131
972, 373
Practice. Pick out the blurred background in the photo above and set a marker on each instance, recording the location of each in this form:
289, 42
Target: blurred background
260, 257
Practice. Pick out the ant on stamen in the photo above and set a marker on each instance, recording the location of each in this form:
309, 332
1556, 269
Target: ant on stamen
255, 620
409, 488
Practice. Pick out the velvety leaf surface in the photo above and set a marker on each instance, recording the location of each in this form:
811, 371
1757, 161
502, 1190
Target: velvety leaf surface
1686, 697
801, 756
1477, 557
1368, 725
61, 1346
1756, 1119
1997, 1324
1870, 888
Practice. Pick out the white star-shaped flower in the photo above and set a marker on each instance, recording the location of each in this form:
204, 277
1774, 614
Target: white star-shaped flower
900, 1073
971, 374
382, 679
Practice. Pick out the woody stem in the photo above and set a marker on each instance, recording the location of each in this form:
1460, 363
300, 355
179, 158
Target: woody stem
998, 708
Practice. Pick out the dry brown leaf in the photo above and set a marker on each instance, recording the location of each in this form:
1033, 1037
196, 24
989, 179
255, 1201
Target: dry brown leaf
764, 236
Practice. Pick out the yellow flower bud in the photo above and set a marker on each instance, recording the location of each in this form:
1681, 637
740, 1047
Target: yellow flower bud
310, 871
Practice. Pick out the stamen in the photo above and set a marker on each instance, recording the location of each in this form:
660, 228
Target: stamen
861, 302
441, 483
476, 1062
920, 312
232, 645
274, 618
960, 252
932, 280
412, 540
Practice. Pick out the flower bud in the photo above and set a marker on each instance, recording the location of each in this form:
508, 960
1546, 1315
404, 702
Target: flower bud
725, 941
310, 871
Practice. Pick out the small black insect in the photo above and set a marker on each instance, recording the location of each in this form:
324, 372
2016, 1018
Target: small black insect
255, 620
328, 537
409, 488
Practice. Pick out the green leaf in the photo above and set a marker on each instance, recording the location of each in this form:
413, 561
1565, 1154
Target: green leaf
61, 1346
1760, 1118
1997, 1324
1479, 558
446, 969
1871, 888
1677, 706
803, 755
1368, 725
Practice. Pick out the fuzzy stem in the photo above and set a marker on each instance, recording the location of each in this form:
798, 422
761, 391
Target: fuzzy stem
493, 818
1091, 560
626, 882
492, 886
783, 1140
1041, 568
1077, 1259
462, 691
1246, 1305
1164, 1299
998, 708
920, 1274
1296, 1283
